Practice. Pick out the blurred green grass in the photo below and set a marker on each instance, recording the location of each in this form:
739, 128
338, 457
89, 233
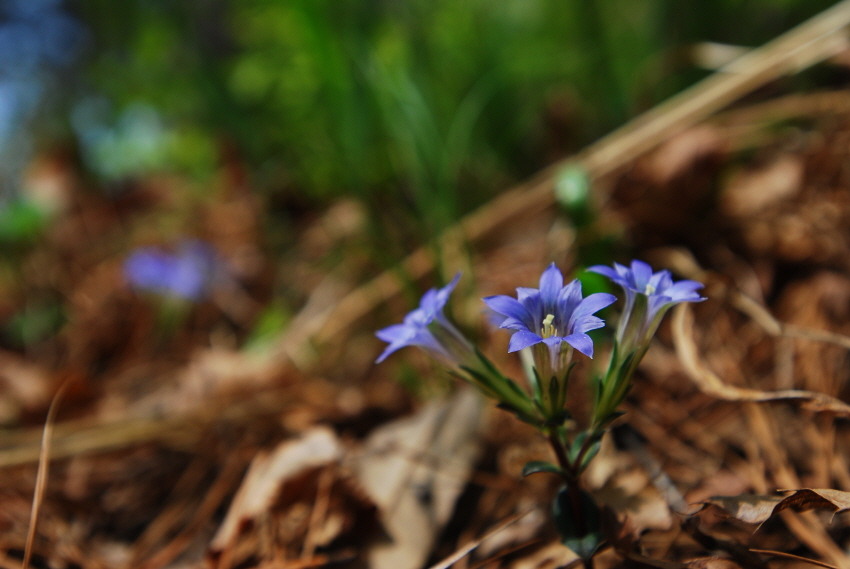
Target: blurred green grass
422, 109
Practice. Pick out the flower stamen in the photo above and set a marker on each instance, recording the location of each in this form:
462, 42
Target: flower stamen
548, 330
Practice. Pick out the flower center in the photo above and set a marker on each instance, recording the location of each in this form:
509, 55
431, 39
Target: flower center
650, 290
548, 330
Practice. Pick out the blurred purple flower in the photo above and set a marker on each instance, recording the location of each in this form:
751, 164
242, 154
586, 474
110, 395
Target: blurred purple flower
187, 273
555, 316
648, 297
428, 328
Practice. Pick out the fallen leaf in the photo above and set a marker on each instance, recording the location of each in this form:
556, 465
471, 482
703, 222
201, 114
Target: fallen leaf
757, 509
267, 475
748, 508
414, 469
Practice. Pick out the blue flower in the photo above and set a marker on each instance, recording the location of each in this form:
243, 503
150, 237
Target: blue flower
648, 297
427, 327
187, 273
554, 316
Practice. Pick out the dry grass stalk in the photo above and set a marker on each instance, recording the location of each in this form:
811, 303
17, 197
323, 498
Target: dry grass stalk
43, 470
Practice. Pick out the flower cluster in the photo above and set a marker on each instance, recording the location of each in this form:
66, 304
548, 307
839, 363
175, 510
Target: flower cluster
551, 323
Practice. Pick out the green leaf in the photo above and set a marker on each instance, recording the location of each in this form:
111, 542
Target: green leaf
536, 466
590, 454
524, 417
579, 521
580, 440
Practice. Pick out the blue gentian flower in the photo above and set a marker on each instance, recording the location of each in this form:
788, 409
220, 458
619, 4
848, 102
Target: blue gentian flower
554, 316
188, 273
428, 328
648, 297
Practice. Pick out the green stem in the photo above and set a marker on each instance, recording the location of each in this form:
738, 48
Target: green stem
571, 475
562, 456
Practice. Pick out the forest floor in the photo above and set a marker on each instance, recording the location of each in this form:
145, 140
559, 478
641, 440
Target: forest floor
179, 440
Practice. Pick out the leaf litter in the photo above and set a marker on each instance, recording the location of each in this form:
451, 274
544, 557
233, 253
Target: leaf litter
180, 447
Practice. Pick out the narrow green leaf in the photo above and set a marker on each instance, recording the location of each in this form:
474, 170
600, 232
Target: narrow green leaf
536, 466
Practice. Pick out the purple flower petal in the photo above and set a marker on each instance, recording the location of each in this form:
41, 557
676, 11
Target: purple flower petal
641, 273
428, 328
587, 323
684, 291
509, 307
605, 271
523, 339
594, 303
581, 342
551, 282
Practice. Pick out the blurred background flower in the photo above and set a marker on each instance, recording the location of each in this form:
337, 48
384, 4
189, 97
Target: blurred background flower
190, 272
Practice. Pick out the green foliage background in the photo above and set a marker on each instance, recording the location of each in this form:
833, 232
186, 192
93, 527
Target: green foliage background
426, 107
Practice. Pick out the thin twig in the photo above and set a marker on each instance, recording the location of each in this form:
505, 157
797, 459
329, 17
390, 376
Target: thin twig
43, 468
470, 547
794, 557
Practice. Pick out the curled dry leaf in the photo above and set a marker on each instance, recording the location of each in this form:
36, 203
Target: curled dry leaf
756, 509
269, 472
708, 382
416, 491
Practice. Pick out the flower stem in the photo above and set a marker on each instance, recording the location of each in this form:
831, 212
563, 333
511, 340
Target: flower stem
571, 475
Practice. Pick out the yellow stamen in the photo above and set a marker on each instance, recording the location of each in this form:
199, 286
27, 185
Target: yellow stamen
549, 330
650, 290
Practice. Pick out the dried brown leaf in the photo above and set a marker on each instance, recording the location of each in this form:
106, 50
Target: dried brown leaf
416, 489
267, 475
748, 508
815, 498
757, 509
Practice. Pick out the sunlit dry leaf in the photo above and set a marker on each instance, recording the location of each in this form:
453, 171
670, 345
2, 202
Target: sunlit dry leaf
756, 509
416, 489
748, 508
269, 472
631, 483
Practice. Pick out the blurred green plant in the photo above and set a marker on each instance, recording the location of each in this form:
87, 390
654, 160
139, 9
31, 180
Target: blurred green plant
21, 222
423, 109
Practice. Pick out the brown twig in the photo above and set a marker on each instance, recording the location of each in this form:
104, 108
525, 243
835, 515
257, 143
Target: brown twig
470, 547
43, 469
794, 557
